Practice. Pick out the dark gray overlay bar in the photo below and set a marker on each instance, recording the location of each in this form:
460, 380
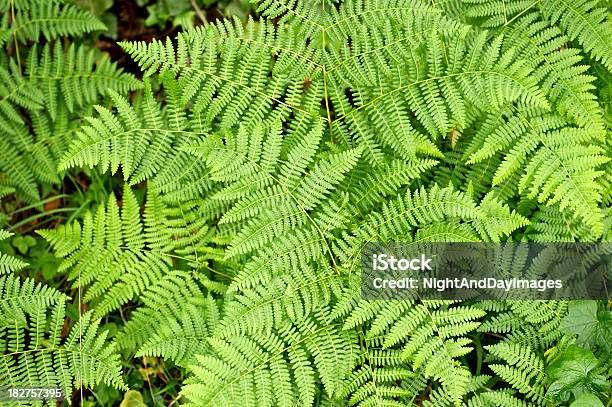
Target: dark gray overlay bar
486, 271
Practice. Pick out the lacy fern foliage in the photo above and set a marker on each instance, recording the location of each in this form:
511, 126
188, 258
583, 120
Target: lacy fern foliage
272, 149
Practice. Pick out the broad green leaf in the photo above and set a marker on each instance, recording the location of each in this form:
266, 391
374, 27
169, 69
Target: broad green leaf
587, 400
132, 398
573, 373
592, 328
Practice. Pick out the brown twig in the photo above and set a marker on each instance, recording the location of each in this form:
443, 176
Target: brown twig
199, 12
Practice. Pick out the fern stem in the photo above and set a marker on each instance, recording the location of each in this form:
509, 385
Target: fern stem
144, 361
508, 22
199, 11
38, 216
217, 272
478, 346
15, 35
34, 205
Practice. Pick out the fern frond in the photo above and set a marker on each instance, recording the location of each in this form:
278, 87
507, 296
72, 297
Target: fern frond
21, 297
291, 297
273, 149
559, 162
523, 369
50, 18
34, 354
284, 367
585, 21
474, 75
430, 337
560, 69
118, 255
400, 219
56, 84
138, 138
259, 68
9, 263
186, 316
76, 76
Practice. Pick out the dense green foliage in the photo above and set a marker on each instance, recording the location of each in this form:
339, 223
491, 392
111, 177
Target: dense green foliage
220, 202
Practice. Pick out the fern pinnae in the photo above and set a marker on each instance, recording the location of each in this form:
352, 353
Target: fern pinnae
52, 19
273, 148
9, 264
